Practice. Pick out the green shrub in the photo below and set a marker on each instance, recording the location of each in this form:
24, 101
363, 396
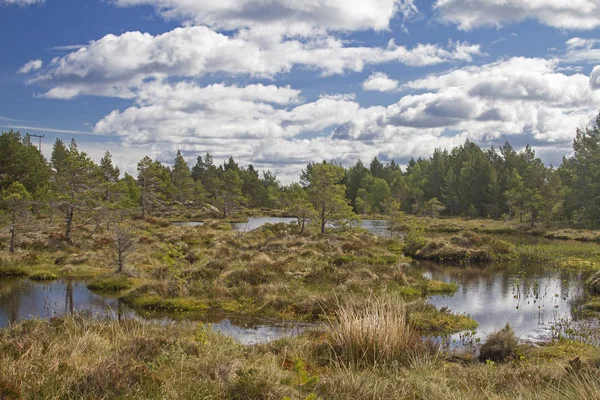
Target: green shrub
499, 345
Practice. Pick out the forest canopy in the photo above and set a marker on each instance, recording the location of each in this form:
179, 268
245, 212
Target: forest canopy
467, 181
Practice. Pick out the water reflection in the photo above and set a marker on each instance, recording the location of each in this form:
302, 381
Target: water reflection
188, 223
22, 299
377, 227
255, 223
532, 299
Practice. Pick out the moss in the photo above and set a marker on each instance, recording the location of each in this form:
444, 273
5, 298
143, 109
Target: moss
81, 272
579, 263
409, 291
242, 305
562, 350
593, 303
433, 322
12, 271
439, 287
43, 276
114, 283
158, 303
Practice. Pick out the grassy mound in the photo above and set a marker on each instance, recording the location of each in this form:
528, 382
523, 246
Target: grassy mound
114, 283
43, 276
469, 246
499, 345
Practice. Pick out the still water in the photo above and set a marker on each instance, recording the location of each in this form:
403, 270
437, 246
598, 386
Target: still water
22, 299
533, 299
377, 227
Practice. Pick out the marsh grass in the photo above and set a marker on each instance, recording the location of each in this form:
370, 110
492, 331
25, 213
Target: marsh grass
75, 357
374, 332
112, 283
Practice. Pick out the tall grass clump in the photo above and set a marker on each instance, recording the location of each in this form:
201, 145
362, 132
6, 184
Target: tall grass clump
373, 333
499, 345
583, 386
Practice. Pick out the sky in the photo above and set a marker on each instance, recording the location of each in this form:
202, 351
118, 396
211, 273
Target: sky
280, 83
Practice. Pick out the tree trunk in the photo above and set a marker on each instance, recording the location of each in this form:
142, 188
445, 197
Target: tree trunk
120, 261
70, 211
323, 217
12, 234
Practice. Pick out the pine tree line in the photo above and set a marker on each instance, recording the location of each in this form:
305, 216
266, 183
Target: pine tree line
468, 181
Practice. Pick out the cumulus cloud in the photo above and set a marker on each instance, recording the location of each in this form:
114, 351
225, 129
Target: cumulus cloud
471, 14
116, 65
380, 82
292, 17
273, 127
22, 3
31, 66
581, 50
595, 78
515, 96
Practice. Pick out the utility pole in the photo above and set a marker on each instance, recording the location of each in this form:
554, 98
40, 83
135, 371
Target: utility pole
39, 136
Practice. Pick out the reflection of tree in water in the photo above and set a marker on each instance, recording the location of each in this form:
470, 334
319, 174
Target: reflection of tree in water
12, 292
69, 307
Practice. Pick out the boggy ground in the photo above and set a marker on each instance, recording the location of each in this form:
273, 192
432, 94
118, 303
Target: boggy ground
272, 272
366, 351
370, 321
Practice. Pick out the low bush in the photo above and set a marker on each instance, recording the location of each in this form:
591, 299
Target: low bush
499, 345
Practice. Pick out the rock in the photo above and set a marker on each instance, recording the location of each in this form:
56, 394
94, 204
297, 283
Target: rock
212, 208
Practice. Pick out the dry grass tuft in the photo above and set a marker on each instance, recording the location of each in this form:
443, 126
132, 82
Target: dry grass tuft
375, 332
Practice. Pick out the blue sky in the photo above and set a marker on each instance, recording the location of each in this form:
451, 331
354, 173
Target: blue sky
278, 83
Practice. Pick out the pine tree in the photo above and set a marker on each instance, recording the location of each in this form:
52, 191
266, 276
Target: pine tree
328, 195
182, 179
77, 186
16, 201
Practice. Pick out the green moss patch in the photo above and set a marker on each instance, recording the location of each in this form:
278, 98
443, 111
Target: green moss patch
12, 272
157, 303
113, 283
434, 322
43, 276
562, 350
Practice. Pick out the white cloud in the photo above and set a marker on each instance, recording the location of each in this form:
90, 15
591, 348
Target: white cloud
22, 3
31, 66
116, 65
291, 17
581, 50
271, 127
562, 14
595, 78
380, 82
